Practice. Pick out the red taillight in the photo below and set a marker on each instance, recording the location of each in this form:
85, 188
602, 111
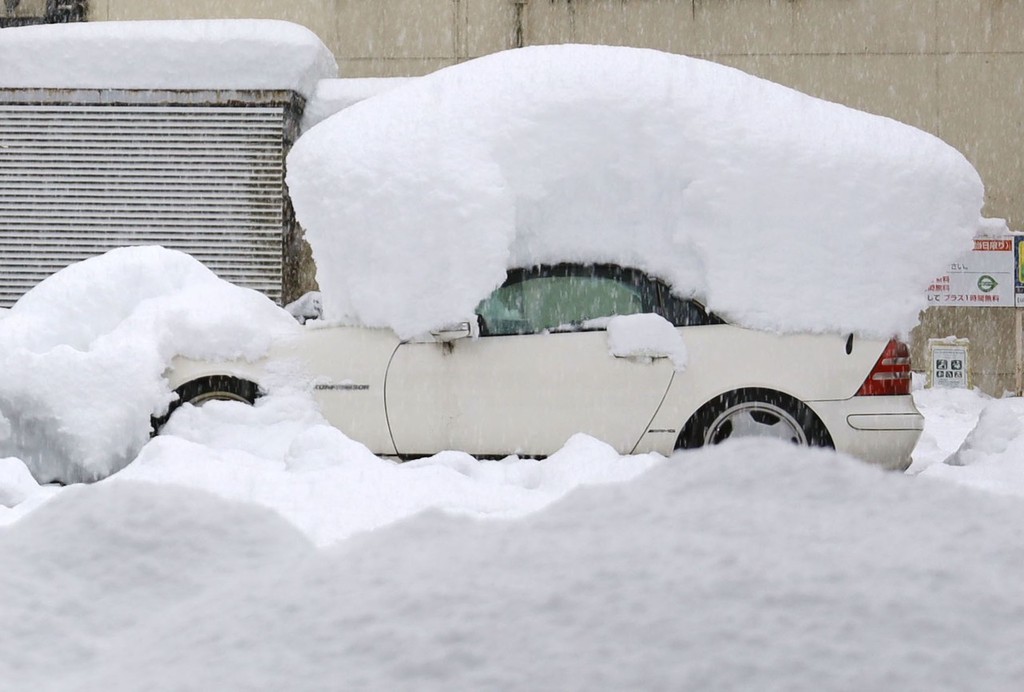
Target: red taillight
891, 374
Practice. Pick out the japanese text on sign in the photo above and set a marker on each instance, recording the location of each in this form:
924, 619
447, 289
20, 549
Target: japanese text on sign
982, 277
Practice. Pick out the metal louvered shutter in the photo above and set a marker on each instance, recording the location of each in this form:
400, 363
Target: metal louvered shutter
78, 180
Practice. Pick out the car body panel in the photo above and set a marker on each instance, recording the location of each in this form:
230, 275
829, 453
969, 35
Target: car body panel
724, 358
348, 366
897, 427
523, 394
815, 369
343, 366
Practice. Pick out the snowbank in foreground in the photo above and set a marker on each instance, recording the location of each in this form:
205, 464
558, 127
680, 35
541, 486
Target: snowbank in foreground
283, 455
193, 54
781, 210
82, 355
718, 569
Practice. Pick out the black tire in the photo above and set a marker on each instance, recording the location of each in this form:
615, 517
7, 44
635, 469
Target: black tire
215, 388
754, 413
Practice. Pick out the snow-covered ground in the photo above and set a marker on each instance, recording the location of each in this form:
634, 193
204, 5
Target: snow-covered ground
257, 548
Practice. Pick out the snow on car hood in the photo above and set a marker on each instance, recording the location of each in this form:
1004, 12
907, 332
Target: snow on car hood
191, 54
82, 355
782, 211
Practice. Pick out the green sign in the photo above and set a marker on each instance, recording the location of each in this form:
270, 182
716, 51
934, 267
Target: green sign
986, 284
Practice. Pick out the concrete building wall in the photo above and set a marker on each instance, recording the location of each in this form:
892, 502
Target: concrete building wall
954, 68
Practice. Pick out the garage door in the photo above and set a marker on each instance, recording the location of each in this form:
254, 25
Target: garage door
78, 180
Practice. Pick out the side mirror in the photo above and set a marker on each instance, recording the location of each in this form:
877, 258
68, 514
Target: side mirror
308, 307
454, 332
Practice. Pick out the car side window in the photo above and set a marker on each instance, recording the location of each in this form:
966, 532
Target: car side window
682, 312
558, 303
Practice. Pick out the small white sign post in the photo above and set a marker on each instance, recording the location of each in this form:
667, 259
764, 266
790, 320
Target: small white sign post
949, 365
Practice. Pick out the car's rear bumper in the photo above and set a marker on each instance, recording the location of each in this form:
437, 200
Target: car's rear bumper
882, 430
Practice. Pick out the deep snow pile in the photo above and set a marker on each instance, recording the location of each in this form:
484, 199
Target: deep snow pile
195, 54
949, 417
992, 455
780, 210
971, 439
718, 569
333, 95
283, 455
82, 355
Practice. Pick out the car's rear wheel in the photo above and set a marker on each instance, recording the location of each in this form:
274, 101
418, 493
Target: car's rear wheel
757, 413
205, 389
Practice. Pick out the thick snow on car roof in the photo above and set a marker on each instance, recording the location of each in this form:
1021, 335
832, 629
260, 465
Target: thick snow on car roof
190, 54
782, 211
333, 95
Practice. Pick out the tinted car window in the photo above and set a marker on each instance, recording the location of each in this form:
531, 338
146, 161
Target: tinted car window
682, 312
567, 296
549, 303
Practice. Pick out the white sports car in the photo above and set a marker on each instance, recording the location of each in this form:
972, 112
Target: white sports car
536, 368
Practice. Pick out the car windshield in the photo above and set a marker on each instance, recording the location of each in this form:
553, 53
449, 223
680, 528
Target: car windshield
556, 303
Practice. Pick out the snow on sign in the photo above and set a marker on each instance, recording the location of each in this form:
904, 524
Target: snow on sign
982, 277
948, 363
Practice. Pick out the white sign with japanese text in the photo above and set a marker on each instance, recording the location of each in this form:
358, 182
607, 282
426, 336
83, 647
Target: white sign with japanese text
982, 277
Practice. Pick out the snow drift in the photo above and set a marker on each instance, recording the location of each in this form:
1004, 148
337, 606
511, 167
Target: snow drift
82, 355
193, 54
723, 569
782, 211
283, 455
719, 568
991, 456
333, 95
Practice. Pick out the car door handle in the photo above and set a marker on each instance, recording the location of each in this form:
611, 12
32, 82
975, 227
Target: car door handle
643, 359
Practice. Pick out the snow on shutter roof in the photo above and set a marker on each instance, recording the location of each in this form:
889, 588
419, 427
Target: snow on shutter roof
78, 179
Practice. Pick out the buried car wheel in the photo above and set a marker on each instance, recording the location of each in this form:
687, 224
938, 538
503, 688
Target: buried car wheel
217, 388
754, 413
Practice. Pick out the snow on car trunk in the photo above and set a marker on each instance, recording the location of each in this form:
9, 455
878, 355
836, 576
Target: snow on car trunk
82, 355
782, 211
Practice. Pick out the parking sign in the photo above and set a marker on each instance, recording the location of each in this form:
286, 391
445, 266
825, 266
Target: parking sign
949, 363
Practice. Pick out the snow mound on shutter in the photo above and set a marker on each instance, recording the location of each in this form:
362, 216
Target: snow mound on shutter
187, 54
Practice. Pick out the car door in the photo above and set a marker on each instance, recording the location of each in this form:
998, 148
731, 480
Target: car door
539, 372
345, 368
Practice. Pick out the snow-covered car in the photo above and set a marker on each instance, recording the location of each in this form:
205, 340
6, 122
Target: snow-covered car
538, 365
